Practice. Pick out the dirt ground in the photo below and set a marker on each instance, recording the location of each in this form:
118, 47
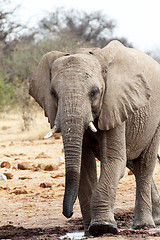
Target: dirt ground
31, 201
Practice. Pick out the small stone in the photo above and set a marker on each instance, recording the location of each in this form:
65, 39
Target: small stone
51, 167
57, 136
3, 177
24, 166
42, 155
58, 175
24, 178
8, 175
41, 166
8, 155
45, 185
20, 191
61, 185
5, 128
22, 154
130, 172
3, 145
5, 164
11, 143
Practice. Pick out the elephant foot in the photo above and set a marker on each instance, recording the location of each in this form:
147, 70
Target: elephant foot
87, 234
143, 226
99, 228
156, 215
156, 219
157, 222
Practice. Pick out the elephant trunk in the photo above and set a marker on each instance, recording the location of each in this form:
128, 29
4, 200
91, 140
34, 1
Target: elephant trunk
72, 134
72, 118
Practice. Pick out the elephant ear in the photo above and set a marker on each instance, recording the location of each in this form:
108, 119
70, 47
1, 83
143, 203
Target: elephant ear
127, 88
40, 84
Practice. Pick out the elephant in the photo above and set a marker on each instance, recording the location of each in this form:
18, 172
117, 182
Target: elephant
106, 104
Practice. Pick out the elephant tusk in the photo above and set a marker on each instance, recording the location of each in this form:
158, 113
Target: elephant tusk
92, 127
50, 134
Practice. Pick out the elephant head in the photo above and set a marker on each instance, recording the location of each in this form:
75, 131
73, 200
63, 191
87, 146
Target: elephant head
75, 89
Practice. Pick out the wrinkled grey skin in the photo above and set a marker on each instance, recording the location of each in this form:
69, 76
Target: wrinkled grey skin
118, 89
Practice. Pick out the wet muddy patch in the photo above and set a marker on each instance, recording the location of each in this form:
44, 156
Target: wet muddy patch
74, 230
18, 233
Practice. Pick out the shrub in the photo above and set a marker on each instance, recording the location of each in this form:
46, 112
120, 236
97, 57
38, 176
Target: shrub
7, 95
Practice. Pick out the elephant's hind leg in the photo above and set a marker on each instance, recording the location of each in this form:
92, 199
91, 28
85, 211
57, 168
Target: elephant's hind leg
155, 203
143, 169
154, 195
87, 184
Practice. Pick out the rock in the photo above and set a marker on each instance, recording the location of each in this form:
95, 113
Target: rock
51, 167
5, 127
8, 155
20, 191
41, 166
22, 154
8, 175
57, 136
58, 175
24, 166
24, 178
61, 185
5, 164
3, 145
3, 177
130, 172
11, 143
45, 185
42, 155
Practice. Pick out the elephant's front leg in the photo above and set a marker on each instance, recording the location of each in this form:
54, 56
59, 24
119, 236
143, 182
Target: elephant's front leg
113, 163
88, 181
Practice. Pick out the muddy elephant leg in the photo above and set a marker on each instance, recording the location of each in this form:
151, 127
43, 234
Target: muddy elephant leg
88, 180
143, 168
113, 163
154, 195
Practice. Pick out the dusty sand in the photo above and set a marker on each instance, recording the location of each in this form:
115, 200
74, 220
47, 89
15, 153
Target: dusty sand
30, 211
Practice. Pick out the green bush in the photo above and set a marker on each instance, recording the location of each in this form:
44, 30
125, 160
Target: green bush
7, 95
18, 66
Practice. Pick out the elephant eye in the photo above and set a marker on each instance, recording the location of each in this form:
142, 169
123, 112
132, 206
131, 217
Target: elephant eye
54, 94
94, 93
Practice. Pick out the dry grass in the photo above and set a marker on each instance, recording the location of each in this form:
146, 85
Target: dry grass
12, 122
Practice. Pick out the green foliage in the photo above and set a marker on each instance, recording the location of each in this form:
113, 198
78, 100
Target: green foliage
18, 66
7, 94
61, 31
24, 58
